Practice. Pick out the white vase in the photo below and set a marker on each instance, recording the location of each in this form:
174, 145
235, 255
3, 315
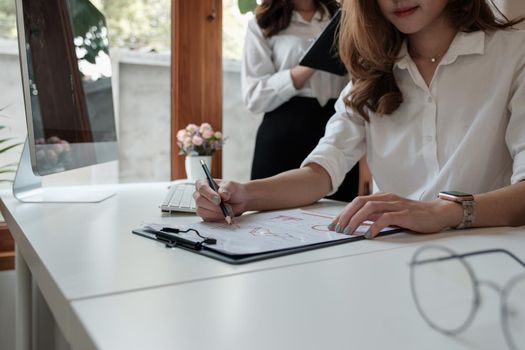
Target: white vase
193, 167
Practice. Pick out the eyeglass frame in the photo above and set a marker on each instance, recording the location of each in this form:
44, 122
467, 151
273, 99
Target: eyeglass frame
503, 291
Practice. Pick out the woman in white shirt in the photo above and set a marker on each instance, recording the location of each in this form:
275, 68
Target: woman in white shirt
297, 101
437, 102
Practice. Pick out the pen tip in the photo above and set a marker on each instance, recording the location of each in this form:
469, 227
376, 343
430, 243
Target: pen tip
228, 220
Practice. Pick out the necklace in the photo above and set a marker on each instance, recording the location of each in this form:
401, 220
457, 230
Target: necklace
432, 59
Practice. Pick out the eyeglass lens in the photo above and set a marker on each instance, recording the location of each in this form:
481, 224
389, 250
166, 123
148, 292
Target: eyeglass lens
444, 289
514, 316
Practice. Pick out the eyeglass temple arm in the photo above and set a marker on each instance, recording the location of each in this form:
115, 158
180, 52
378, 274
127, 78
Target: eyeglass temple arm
478, 252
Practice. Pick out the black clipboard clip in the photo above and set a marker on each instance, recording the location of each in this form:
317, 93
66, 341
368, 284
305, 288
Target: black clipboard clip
170, 237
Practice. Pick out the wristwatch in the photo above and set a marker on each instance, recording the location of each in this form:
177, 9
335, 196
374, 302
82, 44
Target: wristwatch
467, 202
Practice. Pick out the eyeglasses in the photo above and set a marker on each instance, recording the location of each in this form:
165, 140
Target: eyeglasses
446, 292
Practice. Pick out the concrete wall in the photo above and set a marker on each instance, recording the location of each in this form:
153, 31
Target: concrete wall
240, 126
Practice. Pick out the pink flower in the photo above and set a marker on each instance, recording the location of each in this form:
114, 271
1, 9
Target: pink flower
201, 140
207, 134
191, 128
181, 134
197, 140
204, 127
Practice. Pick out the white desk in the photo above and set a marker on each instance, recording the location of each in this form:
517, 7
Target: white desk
81, 255
354, 302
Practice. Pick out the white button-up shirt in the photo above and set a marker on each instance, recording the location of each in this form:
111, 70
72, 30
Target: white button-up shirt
465, 132
266, 79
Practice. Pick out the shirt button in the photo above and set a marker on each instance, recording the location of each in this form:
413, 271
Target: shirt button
429, 138
429, 99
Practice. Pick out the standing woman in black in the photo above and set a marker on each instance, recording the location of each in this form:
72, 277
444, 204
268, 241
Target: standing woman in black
297, 101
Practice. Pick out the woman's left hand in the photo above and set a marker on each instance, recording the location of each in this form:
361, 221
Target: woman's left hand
388, 209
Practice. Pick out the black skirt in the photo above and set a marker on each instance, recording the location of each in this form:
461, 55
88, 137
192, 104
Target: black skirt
288, 134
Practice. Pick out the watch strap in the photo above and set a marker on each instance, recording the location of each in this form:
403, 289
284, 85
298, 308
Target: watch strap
468, 215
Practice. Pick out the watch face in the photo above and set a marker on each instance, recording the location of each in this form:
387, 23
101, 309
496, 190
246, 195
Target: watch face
455, 196
456, 193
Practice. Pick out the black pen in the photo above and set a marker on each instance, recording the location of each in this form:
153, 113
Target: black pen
215, 187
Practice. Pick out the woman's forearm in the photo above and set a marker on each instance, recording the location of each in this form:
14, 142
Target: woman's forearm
300, 74
290, 189
502, 207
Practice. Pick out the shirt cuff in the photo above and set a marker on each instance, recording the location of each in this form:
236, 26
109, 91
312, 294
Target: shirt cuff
333, 161
282, 83
518, 173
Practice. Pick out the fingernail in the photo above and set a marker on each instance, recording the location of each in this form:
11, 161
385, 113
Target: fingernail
347, 230
368, 233
216, 199
338, 228
331, 226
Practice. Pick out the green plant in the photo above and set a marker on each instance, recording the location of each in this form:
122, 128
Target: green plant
247, 5
6, 144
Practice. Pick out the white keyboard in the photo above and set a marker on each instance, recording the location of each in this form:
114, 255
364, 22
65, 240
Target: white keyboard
179, 198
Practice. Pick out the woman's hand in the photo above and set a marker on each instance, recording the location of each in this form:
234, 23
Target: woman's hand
388, 209
232, 193
300, 75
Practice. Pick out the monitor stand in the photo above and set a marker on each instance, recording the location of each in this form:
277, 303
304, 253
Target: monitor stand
27, 187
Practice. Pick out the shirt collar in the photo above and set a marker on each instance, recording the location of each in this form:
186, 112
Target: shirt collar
463, 44
318, 16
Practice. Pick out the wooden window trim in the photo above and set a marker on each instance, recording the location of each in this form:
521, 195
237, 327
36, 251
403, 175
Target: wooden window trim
7, 248
196, 73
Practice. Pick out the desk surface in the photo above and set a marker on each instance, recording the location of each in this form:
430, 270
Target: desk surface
94, 259
93, 252
352, 302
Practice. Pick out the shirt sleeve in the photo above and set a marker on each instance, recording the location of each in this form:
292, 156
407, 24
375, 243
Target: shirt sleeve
343, 144
263, 87
515, 135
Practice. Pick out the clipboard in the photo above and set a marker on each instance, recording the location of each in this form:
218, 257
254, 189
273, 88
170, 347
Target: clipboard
322, 54
201, 247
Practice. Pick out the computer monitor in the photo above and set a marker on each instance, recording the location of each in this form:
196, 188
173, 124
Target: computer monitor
66, 79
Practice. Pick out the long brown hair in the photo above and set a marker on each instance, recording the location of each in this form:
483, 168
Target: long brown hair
275, 15
369, 45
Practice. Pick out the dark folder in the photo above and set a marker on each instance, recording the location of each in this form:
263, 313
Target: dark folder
203, 246
323, 54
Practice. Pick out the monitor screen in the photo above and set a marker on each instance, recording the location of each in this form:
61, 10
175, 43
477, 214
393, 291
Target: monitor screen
66, 75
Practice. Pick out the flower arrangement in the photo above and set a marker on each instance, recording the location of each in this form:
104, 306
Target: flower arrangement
200, 140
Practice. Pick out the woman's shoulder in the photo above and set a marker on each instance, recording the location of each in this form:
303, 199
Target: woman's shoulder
254, 32
253, 25
508, 39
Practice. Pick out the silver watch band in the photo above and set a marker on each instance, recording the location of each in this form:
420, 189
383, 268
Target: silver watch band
468, 215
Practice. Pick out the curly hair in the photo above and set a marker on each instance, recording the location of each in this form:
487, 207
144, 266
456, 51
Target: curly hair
369, 46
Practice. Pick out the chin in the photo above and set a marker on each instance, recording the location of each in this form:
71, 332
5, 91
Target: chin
408, 29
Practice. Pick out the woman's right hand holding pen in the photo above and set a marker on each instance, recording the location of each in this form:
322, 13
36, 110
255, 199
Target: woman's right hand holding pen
231, 193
